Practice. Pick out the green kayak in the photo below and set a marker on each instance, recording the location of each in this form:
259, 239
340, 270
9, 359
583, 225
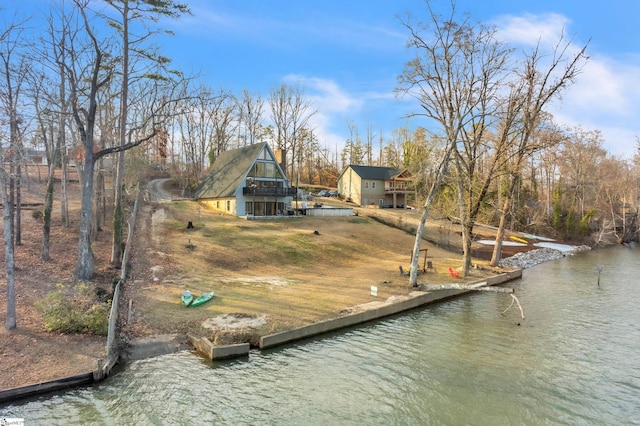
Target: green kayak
187, 298
200, 300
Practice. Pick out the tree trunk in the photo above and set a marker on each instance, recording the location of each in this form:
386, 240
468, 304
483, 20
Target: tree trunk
48, 207
84, 267
64, 202
118, 213
467, 239
496, 257
18, 205
97, 227
10, 322
12, 196
442, 171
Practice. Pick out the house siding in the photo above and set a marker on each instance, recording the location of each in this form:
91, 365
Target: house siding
220, 205
351, 186
378, 186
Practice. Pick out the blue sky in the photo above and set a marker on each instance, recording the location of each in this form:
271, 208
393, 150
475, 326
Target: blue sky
347, 54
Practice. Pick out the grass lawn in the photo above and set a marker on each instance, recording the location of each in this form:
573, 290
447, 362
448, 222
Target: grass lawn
290, 271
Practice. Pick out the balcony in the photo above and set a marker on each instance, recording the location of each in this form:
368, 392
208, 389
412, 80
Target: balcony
269, 191
397, 188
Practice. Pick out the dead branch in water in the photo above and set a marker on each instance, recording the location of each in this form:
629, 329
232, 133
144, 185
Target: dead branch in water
482, 286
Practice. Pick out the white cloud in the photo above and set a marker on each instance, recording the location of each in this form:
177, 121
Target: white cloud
530, 29
326, 95
333, 104
605, 95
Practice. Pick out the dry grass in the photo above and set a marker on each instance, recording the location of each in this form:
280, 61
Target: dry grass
294, 271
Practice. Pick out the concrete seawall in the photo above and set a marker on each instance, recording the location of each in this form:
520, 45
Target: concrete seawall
415, 300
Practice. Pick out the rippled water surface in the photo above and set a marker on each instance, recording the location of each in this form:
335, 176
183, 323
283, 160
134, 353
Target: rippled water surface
573, 360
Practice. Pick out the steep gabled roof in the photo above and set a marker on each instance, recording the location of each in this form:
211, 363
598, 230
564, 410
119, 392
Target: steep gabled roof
228, 172
376, 173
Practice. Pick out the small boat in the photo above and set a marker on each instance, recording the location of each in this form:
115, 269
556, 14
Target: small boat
200, 300
187, 298
519, 240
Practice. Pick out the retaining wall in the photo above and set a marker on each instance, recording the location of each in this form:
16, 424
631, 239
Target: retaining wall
329, 212
211, 351
417, 299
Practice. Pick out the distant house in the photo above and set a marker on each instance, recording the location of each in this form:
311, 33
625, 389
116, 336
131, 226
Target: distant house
377, 186
35, 156
247, 181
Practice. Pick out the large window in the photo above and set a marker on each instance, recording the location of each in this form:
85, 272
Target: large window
269, 170
263, 169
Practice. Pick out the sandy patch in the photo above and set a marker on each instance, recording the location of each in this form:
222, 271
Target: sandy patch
565, 248
234, 322
270, 281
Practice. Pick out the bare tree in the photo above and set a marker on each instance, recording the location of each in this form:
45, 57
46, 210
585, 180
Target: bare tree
290, 113
536, 86
13, 72
251, 116
12, 76
452, 70
129, 12
87, 76
222, 110
51, 106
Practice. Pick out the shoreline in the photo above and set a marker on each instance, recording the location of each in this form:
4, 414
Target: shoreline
535, 257
163, 344
166, 344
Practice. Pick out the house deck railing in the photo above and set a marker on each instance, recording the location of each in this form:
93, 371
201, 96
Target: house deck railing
269, 192
397, 188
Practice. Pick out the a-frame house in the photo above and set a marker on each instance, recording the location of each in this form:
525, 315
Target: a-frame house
247, 181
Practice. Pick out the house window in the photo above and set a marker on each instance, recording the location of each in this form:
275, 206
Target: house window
228, 205
373, 185
217, 204
366, 184
269, 170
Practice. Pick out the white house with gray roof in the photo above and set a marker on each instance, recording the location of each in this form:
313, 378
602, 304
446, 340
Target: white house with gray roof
247, 181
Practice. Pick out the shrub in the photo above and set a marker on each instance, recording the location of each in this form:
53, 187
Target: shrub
75, 310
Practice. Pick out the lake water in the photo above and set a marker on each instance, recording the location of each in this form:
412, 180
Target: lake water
575, 359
